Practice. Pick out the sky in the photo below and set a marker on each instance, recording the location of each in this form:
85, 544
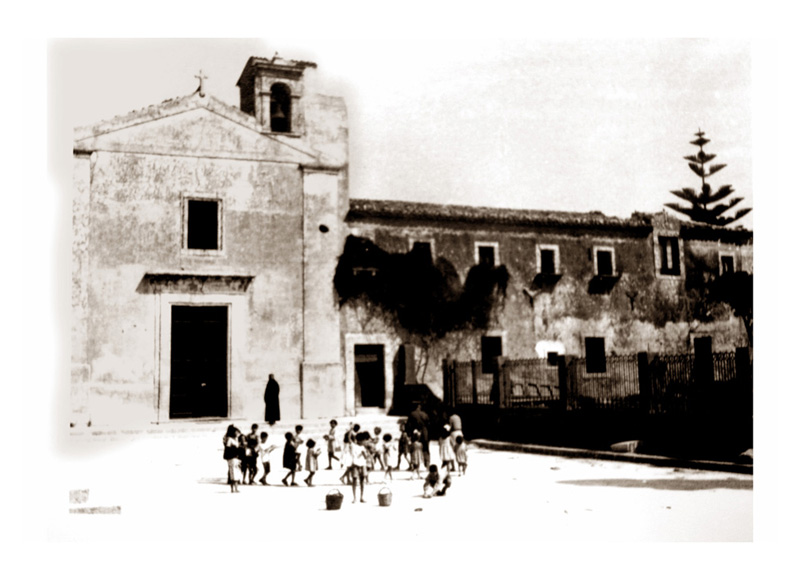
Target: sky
577, 125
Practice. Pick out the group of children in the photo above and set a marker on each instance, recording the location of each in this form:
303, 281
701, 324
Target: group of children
246, 452
359, 454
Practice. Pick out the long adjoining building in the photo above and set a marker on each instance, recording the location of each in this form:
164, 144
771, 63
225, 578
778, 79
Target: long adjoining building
206, 237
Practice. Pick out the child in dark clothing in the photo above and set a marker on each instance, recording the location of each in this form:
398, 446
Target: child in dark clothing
230, 455
289, 458
403, 449
243, 464
250, 456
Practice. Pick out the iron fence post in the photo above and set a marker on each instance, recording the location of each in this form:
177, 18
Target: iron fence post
744, 379
563, 379
645, 385
501, 377
474, 382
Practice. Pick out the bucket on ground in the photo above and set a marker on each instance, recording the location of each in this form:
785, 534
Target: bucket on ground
385, 497
333, 501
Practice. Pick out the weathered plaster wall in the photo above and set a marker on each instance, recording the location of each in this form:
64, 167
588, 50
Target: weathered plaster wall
642, 311
136, 227
323, 374
80, 367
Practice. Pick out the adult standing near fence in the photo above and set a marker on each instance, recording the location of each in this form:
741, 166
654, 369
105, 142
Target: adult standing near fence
272, 403
455, 426
418, 420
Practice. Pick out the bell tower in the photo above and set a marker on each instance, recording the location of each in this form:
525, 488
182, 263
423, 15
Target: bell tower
272, 91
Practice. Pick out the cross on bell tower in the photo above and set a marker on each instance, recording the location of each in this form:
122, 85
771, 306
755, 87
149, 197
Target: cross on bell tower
201, 77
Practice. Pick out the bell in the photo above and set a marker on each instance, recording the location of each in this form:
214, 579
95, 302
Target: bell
278, 113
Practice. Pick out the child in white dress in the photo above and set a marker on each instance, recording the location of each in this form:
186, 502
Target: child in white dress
389, 452
312, 463
264, 451
461, 454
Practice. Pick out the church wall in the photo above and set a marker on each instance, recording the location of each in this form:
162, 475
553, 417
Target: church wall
134, 226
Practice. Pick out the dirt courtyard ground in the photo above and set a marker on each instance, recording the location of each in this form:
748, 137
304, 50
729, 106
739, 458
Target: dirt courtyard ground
168, 488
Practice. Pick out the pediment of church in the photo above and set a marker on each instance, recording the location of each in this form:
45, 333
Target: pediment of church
193, 126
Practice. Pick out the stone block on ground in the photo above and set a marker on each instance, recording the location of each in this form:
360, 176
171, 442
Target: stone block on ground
626, 446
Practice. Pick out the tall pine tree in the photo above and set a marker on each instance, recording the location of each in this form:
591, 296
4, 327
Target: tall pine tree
704, 205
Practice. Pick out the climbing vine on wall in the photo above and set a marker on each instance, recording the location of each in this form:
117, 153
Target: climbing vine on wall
425, 297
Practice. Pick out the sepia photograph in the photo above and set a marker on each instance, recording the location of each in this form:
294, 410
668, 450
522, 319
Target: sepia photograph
327, 293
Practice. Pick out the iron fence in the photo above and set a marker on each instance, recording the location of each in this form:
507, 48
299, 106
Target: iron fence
724, 367
531, 383
615, 388
462, 380
671, 382
653, 384
469, 385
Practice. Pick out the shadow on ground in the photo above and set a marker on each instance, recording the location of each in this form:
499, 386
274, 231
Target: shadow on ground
666, 484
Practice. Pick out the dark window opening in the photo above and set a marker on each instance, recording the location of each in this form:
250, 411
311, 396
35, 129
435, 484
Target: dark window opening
422, 248
486, 255
370, 380
727, 264
605, 264
548, 262
552, 358
202, 228
595, 354
280, 109
491, 348
670, 255
702, 346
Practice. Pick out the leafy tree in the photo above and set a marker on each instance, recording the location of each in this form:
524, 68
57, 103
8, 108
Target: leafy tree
706, 207
425, 297
422, 298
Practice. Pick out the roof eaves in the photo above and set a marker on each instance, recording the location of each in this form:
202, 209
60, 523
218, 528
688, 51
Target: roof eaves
164, 109
380, 209
131, 118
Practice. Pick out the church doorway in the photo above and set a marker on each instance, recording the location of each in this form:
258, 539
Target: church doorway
370, 381
199, 362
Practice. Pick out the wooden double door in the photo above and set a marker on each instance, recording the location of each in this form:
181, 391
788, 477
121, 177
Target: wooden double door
199, 362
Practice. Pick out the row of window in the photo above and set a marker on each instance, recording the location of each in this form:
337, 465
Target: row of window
603, 257
202, 231
547, 257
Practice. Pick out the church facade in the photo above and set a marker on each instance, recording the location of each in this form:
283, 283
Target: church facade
206, 238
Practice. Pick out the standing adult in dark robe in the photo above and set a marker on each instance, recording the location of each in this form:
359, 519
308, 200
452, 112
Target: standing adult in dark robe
418, 420
272, 403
